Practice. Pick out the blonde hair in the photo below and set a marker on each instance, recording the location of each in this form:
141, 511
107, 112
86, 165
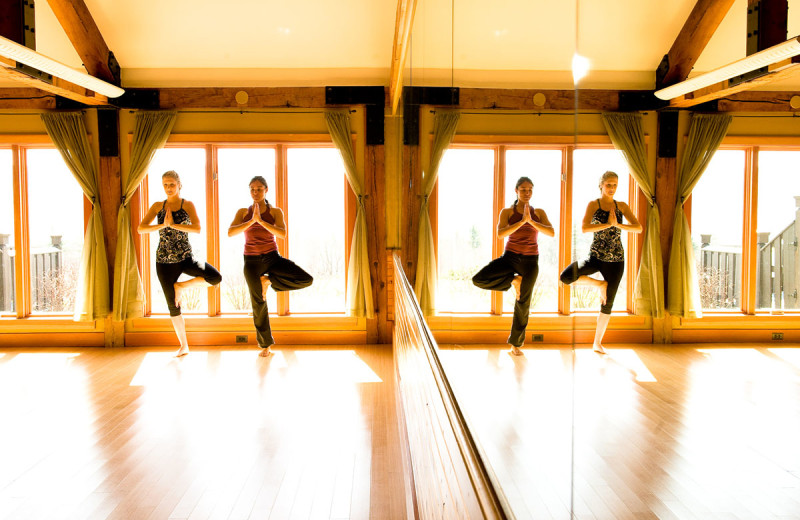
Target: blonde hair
172, 174
607, 175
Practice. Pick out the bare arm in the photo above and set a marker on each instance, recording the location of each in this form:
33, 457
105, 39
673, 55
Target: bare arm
279, 227
543, 226
587, 226
239, 225
633, 225
503, 227
145, 225
194, 227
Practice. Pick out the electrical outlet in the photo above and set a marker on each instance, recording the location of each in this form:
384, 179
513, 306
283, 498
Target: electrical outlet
241, 339
537, 337
777, 336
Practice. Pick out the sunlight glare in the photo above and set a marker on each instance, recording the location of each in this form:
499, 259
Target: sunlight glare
161, 367
630, 360
789, 355
335, 366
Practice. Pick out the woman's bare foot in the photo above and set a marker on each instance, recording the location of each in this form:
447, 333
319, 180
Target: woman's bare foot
599, 349
515, 351
182, 352
603, 287
178, 293
265, 352
265, 283
516, 283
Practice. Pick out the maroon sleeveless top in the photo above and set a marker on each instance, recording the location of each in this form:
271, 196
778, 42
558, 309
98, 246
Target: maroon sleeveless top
523, 241
257, 240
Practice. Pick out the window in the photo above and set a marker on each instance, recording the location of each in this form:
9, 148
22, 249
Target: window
466, 232
475, 182
589, 167
543, 167
236, 167
716, 225
52, 220
306, 181
776, 250
190, 164
7, 296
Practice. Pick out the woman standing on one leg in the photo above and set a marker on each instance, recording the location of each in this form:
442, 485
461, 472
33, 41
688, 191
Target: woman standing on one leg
604, 218
263, 266
519, 265
177, 218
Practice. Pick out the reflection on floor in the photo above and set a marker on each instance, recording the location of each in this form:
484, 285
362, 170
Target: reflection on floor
659, 432
136, 433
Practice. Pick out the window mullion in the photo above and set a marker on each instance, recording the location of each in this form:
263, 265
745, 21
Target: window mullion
749, 238
565, 238
212, 224
499, 192
282, 201
21, 233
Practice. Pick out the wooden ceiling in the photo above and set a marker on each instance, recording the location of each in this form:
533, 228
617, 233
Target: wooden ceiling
464, 43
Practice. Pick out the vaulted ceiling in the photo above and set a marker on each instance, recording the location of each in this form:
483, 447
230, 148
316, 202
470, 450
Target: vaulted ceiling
466, 43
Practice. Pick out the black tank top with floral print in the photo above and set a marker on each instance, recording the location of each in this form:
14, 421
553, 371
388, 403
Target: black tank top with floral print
607, 245
173, 245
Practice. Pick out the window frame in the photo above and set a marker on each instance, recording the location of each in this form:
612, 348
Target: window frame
20, 145
211, 144
751, 145
567, 145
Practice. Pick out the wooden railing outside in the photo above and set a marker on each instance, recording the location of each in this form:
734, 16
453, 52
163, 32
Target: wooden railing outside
451, 477
47, 281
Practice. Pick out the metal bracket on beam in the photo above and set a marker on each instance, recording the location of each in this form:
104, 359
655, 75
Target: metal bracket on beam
413, 97
373, 98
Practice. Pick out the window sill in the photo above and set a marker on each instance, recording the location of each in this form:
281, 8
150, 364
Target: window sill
237, 322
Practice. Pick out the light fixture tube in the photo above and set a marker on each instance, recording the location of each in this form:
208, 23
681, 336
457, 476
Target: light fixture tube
768, 56
14, 51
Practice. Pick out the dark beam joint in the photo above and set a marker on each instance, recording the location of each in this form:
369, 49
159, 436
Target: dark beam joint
413, 97
373, 98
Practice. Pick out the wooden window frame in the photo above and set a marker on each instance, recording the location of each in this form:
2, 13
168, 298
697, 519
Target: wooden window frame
500, 145
20, 145
211, 144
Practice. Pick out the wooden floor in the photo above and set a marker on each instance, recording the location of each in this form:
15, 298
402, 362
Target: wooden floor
137, 434
701, 432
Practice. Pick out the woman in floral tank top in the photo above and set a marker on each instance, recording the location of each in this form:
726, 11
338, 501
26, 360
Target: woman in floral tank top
604, 217
175, 219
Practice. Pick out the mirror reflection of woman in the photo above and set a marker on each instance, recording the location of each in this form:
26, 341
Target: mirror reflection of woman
519, 265
176, 218
604, 218
263, 266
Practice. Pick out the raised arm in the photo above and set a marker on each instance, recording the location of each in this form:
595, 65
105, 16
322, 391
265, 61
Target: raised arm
587, 226
543, 226
145, 225
194, 227
279, 227
239, 225
503, 227
633, 225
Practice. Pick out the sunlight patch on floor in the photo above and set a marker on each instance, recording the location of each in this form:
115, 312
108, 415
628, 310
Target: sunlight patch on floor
163, 367
630, 360
789, 355
335, 366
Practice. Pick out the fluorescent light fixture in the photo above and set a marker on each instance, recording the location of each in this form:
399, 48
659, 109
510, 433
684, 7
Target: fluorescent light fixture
19, 53
769, 56
580, 67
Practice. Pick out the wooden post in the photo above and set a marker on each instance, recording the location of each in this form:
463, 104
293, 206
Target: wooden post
379, 329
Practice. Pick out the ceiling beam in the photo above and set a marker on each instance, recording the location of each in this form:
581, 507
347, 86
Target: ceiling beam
82, 31
59, 86
693, 38
778, 71
404, 21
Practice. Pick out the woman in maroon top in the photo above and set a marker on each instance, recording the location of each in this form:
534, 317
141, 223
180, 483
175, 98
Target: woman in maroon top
519, 265
263, 266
